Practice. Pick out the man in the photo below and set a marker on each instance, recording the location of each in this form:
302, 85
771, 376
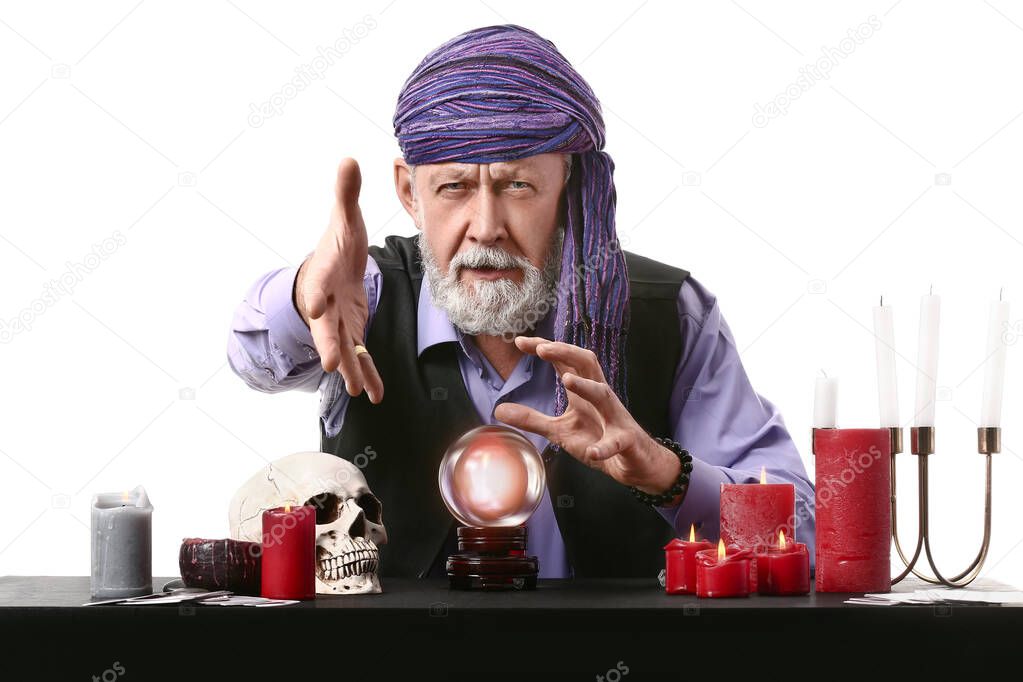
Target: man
531, 316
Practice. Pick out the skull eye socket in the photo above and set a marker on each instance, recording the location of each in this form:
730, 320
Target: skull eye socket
328, 507
371, 507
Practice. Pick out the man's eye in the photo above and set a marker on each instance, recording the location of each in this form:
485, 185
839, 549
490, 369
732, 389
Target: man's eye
451, 185
518, 184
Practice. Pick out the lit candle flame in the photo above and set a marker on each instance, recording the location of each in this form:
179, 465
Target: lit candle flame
692, 532
287, 507
721, 550
763, 475
126, 496
781, 539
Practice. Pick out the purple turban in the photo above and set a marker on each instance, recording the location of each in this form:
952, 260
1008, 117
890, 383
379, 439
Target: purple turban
501, 93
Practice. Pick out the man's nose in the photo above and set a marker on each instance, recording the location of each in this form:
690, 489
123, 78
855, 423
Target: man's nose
488, 221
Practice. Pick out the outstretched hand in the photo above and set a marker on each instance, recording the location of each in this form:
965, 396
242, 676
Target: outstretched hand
329, 292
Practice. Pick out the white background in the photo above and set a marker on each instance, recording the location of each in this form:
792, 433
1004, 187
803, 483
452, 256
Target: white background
133, 118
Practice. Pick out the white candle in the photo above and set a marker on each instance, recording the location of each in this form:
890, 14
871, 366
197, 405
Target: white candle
825, 403
994, 365
884, 348
927, 360
122, 545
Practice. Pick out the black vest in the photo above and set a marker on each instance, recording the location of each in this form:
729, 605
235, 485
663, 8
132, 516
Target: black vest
606, 531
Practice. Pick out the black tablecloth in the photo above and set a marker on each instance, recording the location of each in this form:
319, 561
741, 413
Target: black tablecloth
582, 629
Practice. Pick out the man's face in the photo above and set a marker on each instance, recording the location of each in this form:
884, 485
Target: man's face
490, 235
513, 205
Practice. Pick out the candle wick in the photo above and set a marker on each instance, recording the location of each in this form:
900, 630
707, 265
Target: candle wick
932, 289
1000, 290
824, 373
882, 300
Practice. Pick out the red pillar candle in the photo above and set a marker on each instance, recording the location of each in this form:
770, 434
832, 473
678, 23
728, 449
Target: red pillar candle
853, 510
724, 572
680, 563
753, 514
783, 568
289, 561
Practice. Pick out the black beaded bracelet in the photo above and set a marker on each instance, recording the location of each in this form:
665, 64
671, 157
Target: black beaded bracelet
686, 460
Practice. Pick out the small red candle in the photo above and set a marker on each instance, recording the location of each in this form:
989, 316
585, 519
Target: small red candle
680, 563
724, 573
784, 568
289, 545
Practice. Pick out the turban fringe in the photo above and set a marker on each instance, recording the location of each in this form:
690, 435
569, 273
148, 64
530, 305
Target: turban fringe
501, 93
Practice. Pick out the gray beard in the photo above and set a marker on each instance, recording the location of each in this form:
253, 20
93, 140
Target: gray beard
500, 307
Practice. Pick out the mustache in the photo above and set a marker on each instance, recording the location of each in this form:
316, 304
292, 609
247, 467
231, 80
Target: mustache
488, 257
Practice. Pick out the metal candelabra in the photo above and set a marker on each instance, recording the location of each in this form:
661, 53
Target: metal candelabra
989, 441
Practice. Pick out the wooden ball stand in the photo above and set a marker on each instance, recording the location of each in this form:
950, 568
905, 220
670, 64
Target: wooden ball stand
492, 559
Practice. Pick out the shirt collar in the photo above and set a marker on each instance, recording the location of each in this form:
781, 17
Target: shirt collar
434, 327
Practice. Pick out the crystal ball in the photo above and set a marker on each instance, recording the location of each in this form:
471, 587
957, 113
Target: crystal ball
492, 476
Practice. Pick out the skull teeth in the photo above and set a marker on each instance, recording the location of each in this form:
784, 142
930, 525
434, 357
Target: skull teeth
356, 556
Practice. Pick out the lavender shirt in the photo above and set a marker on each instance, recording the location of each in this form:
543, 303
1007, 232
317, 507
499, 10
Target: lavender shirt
714, 411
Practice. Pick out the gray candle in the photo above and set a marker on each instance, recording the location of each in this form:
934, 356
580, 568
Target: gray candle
122, 545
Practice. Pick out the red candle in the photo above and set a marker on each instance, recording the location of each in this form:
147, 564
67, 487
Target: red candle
753, 514
724, 573
289, 545
784, 568
853, 509
680, 563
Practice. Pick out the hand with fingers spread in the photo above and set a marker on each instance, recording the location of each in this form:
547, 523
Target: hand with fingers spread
329, 291
595, 428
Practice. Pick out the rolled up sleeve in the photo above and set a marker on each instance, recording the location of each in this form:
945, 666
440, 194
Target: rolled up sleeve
271, 348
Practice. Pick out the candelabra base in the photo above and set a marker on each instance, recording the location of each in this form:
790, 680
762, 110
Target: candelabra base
989, 440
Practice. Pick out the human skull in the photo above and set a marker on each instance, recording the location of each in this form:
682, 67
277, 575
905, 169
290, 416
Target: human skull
349, 518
